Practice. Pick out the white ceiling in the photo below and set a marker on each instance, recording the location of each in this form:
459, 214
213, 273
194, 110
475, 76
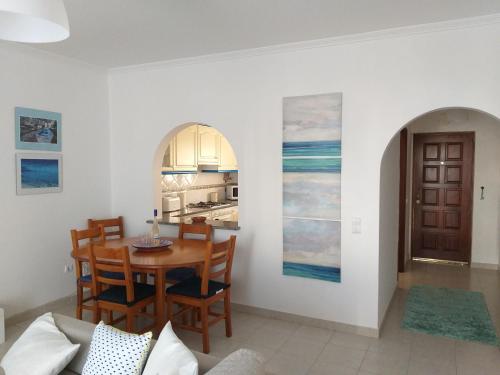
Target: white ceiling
114, 33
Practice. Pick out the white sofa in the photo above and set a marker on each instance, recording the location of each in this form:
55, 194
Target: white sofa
241, 362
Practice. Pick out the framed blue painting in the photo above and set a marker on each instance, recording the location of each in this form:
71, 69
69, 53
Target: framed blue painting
39, 173
38, 130
312, 166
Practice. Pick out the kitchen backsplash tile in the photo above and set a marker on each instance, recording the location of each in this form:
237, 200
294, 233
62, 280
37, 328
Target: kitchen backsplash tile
198, 186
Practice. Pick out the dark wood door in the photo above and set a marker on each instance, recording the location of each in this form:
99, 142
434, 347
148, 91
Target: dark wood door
442, 195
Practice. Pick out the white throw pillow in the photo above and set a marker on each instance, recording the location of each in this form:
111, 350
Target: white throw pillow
41, 350
115, 352
170, 356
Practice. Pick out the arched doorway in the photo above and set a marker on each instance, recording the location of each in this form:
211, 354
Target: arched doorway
195, 164
397, 205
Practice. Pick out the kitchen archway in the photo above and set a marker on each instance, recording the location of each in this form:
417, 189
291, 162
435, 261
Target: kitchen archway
195, 175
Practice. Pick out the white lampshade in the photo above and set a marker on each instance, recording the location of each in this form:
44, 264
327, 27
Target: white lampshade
33, 21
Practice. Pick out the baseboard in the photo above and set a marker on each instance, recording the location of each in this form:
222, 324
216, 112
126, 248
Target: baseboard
320, 323
37, 311
485, 266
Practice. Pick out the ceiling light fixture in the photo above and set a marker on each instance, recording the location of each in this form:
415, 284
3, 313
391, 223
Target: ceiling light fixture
33, 21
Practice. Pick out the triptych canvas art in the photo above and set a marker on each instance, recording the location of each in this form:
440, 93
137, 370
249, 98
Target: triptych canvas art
312, 164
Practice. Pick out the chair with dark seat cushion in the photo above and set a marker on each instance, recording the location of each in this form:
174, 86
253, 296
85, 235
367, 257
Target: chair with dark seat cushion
192, 288
123, 295
83, 279
113, 228
179, 274
118, 294
198, 294
183, 273
109, 275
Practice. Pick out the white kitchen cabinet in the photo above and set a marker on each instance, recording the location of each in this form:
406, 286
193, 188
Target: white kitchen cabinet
227, 157
182, 154
199, 145
209, 140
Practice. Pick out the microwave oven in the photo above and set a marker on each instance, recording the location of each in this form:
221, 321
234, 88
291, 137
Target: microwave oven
232, 192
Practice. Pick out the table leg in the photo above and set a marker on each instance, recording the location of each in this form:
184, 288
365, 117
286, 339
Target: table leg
160, 299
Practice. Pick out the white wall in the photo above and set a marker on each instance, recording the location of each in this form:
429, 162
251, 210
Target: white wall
34, 230
389, 219
485, 219
385, 83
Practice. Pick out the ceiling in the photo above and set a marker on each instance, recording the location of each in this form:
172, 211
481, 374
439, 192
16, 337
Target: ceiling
113, 33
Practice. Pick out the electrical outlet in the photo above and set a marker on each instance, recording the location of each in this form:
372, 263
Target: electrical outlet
70, 267
65, 268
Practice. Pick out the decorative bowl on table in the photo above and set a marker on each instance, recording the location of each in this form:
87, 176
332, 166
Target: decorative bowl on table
198, 219
151, 244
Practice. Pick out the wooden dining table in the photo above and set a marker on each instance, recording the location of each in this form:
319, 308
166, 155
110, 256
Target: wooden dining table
182, 253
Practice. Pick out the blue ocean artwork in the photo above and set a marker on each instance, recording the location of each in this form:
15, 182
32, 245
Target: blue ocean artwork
312, 271
316, 148
311, 242
312, 118
311, 195
318, 165
312, 166
39, 173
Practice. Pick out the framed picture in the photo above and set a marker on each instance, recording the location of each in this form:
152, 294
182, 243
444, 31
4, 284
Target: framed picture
39, 173
38, 130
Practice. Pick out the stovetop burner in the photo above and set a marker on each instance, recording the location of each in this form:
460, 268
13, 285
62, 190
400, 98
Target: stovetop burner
205, 204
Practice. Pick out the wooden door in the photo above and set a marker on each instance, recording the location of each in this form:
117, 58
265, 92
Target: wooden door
442, 195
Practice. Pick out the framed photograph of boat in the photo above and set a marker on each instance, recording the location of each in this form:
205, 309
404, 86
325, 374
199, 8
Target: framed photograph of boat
39, 173
38, 130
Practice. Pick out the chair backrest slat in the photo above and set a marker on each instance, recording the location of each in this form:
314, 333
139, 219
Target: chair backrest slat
113, 228
202, 229
217, 254
104, 259
92, 235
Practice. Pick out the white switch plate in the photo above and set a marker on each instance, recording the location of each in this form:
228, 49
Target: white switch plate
356, 225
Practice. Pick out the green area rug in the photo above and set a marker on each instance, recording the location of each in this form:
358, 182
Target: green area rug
455, 313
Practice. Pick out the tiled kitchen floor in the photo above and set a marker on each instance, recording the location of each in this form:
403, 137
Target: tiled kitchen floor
294, 349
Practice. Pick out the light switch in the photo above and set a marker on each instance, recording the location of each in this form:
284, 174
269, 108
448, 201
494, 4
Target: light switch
356, 225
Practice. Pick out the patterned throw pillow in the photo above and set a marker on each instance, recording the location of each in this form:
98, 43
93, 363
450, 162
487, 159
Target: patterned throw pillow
114, 352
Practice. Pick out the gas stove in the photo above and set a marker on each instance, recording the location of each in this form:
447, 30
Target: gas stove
205, 204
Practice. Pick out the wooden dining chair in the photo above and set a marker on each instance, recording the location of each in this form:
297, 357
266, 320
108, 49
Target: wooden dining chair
123, 295
83, 277
204, 232
113, 228
199, 293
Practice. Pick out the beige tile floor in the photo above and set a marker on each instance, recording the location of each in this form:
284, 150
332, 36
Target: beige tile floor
294, 349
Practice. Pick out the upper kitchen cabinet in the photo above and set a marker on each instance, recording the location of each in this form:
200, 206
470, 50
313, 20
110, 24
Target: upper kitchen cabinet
209, 145
199, 146
228, 160
182, 154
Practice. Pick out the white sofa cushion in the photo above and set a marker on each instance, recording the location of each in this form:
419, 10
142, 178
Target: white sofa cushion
116, 352
170, 356
41, 350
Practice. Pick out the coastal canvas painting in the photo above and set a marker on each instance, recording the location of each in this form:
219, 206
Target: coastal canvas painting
38, 173
37, 130
312, 165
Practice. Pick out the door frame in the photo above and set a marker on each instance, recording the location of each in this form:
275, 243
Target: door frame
403, 162
472, 134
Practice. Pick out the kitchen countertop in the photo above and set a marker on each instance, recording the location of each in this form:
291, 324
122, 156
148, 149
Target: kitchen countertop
184, 216
192, 211
217, 224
